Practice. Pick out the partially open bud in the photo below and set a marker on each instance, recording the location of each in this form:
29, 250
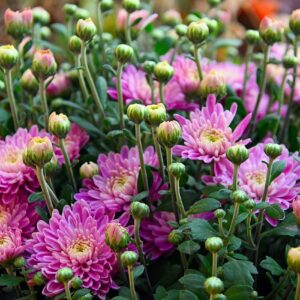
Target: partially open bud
116, 237
20, 262
9, 56
296, 209
59, 125
163, 71
88, 170
29, 83
124, 53
81, 13
155, 114
86, 29
171, 17
176, 237
239, 197
220, 213
293, 259
64, 275
250, 204
273, 150
38, 279
252, 36
181, 29
148, 66
70, 9
289, 61
169, 133
270, 30
129, 258
237, 154
131, 5
176, 170
76, 283
295, 22
75, 44
197, 32
51, 167
213, 83
139, 211
213, 244
40, 15
213, 285
43, 64
136, 113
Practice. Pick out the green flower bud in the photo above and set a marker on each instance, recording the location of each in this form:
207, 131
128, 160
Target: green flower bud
192, 18
197, 32
181, 30
81, 13
252, 36
220, 213
220, 297
157, 34
45, 32
213, 285
290, 61
176, 170
270, 30
237, 154
70, 9
131, 5
107, 37
273, 150
75, 44
59, 125
51, 167
76, 283
64, 275
40, 15
129, 258
213, 83
86, 29
254, 295
211, 24
155, 114
20, 262
29, 83
106, 5
214, 3
250, 204
239, 196
116, 237
9, 56
169, 133
295, 22
163, 71
43, 64
293, 259
136, 113
38, 279
148, 66
213, 244
171, 17
88, 170
175, 237
139, 210
124, 53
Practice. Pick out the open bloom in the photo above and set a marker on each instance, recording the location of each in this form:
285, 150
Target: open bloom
74, 240
207, 134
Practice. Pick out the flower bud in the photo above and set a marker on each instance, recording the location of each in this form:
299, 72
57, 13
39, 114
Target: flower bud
136, 113
124, 53
176, 237
148, 66
157, 34
155, 114
192, 18
29, 83
129, 258
169, 133
75, 44
176, 170
106, 5
211, 24
289, 61
220, 213
250, 204
270, 30
296, 209
163, 71
131, 5
139, 211
70, 9
45, 32
107, 37
43, 64
116, 237
76, 283
181, 30
237, 154
295, 22
213, 83
273, 150
220, 297
214, 3
239, 196
39, 151
64, 275
86, 29
51, 167
20, 262
252, 36
40, 15
9, 56
59, 125
171, 17
293, 259
88, 170
81, 13
213, 244
38, 279
197, 32
213, 285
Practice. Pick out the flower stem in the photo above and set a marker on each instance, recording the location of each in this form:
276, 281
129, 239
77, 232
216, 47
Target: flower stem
52, 194
120, 96
43, 97
214, 263
69, 25
297, 295
248, 58
161, 93
221, 230
176, 48
100, 31
249, 231
197, 60
151, 84
279, 286
43, 184
68, 163
128, 31
83, 87
121, 268
67, 291
11, 98
180, 206
131, 283
235, 177
233, 220
158, 153
37, 35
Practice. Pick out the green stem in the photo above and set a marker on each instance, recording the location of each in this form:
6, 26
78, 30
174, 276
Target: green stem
214, 263
52, 194
297, 295
90, 81
43, 184
67, 291
248, 58
235, 177
83, 87
37, 35
43, 98
120, 96
128, 30
158, 153
100, 28
68, 163
262, 88
180, 206
233, 220
221, 230
176, 48
197, 60
249, 231
184, 262
11, 98
131, 283
279, 286
161, 93
121, 268
211, 297
151, 84
69, 25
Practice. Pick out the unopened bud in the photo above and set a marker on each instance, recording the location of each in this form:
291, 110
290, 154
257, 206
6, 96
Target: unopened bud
169, 133
239, 196
116, 237
155, 114
250, 204
293, 259
40, 15
176, 237
9, 56
136, 113
70, 9
295, 22
220, 213
88, 170
43, 64
252, 36
148, 66
163, 71
237, 154
81, 13
171, 17
51, 167
20, 262
290, 61
29, 83
213, 83
273, 150
213, 244
131, 5
75, 44
124, 53
76, 283
129, 258
59, 125
213, 285
139, 210
64, 275
270, 30
38, 279
176, 169
86, 29
181, 29
106, 5
197, 32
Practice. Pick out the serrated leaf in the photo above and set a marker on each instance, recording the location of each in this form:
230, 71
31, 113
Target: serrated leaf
35, 197
10, 280
204, 205
221, 194
274, 211
188, 247
272, 266
277, 169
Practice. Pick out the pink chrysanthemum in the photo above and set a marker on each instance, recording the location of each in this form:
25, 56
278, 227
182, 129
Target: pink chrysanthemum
207, 134
116, 183
59, 86
76, 139
252, 176
135, 87
75, 240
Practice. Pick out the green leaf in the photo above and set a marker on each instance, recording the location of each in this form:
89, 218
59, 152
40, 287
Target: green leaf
109, 68
101, 86
204, 205
225, 42
188, 247
277, 169
138, 271
221, 194
163, 45
10, 280
234, 243
239, 292
181, 295
42, 213
241, 108
63, 103
60, 28
272, 266
274, 211
35, 197
258, 76
261, 205
140, 196
135, 22
89, 127
192, 280
80, 293
160, 293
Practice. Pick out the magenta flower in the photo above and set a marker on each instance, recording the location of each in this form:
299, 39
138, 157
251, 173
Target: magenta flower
75, 240
207, 134
59, 86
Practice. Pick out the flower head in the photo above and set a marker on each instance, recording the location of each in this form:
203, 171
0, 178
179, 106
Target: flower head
59, 86
43, 64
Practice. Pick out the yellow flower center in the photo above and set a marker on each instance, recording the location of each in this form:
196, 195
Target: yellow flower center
212, 135
80, 248
258, 177
4, 241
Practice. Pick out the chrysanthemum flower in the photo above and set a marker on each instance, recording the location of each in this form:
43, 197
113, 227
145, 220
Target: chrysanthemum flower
207, 134
75, 240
